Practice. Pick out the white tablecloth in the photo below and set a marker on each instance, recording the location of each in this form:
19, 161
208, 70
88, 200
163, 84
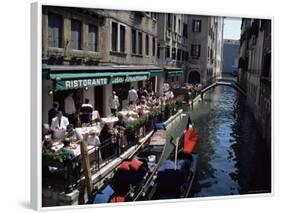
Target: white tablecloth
86, 130
109, 120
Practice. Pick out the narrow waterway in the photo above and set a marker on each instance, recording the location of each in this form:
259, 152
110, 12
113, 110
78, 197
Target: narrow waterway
233, 158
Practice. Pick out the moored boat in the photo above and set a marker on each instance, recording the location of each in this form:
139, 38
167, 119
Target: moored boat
134, 173
175, 175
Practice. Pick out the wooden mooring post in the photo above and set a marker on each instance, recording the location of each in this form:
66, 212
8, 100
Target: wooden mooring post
86, 167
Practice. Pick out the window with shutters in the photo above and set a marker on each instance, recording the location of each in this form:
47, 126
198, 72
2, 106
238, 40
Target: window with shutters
147, 44
169, 21
54, 30
93, 38
76, 34
186, 56
168, 55
174, 53
134, 41
184, 33
122, 38
196, 25
195, 50
140, 43
179, 54
158, 50
175, 23
153, 46
114, 34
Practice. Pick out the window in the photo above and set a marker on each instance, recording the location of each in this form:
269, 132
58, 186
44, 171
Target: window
54, 30
186, 56
196, 26
140, 43
208, 53
158, 50
174, 52
93, 38
175, 23
183, 55
179, 55
114, 34
167, 55
195, 50
147, 44
122, 38
76, 34
169, 21
179, 26
154, 15
184, 30
134, 40
153, 46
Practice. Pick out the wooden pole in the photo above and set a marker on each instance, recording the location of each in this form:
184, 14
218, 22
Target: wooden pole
86, 167
176, 154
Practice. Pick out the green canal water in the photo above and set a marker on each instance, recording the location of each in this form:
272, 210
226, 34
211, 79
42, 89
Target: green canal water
233, 159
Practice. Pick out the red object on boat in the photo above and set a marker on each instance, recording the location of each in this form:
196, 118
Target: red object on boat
117, 199
190, 141
125, 166
135, 164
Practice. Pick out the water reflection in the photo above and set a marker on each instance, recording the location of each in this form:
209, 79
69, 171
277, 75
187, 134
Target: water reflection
232, 158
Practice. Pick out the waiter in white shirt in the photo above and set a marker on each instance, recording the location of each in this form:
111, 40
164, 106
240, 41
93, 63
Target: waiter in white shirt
69, 108
59, 125
114, 103
132, 96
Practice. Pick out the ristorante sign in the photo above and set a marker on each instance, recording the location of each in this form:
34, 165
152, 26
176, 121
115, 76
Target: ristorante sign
92, 82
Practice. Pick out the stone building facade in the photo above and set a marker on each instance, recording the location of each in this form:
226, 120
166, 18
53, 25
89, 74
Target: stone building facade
113, 44
255, 70
230, 56
91, 52
172, 47
204, 48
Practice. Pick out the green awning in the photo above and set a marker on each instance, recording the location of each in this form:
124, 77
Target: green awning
154, 73
175, 73
71, 80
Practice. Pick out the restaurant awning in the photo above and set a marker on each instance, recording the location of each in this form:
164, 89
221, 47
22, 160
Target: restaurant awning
175, 73
65, 81
154, 73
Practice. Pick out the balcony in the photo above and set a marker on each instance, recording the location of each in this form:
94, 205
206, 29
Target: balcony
55, 52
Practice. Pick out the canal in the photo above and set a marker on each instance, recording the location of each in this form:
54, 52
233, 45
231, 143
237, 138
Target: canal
233, 159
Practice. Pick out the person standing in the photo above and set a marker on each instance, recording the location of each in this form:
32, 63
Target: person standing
59, 125
86, 112
114, 103
69, 108
52, 113
132, 95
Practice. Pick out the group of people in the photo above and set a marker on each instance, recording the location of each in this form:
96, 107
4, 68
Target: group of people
61, 125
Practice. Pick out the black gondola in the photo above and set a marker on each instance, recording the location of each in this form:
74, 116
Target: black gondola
174, 176
133, 174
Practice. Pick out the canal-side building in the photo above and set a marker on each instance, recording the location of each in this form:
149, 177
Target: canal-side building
230, 56
90, 52
204, 48
172, 47
219, 46
255, 70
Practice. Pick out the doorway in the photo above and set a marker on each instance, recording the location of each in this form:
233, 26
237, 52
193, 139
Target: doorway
99, 100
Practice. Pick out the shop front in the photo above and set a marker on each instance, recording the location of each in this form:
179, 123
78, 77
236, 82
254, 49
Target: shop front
93, 83
174, 77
